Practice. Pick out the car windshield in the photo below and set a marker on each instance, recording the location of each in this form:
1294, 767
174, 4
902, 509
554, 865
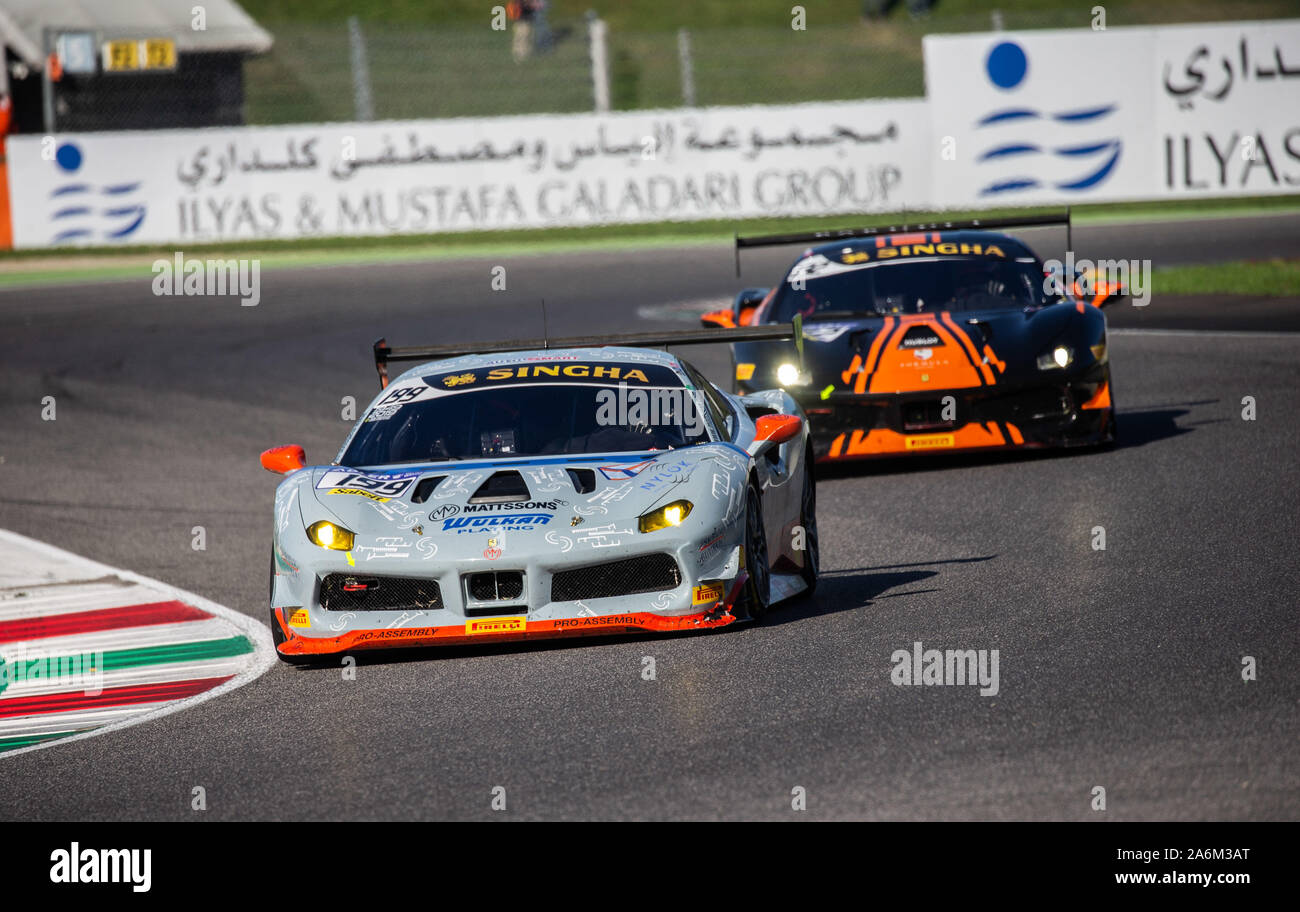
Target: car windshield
910, 287
540, 409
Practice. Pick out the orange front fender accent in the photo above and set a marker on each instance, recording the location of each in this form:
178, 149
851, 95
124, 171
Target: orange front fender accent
1100, 399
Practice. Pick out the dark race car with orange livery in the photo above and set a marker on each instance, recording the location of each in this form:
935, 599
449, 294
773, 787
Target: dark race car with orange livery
933, 338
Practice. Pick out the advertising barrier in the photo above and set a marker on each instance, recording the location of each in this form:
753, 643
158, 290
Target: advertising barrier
1074, 116
1010, 118
192, 186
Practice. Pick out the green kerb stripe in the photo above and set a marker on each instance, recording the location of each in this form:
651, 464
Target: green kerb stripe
179, 652
8, 744
148, 655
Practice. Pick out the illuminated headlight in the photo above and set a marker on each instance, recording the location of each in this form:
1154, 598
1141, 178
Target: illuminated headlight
788, 375
328, 535
670, 515
1057, 357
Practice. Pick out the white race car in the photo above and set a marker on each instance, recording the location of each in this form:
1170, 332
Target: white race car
577, 489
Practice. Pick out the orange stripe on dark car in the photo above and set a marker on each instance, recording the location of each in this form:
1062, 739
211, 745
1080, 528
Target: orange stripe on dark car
969, 346
1100, 399
873, 355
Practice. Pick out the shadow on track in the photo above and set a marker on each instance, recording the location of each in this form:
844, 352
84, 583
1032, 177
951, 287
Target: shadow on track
1137, 427
1142, 426
846, 590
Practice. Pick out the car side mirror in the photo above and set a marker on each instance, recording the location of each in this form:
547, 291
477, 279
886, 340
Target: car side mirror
718, 319
284, 459
774, 430
746, 302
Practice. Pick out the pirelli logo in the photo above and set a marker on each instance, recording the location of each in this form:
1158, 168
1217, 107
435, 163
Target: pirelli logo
478, 627
931, 441
707, 593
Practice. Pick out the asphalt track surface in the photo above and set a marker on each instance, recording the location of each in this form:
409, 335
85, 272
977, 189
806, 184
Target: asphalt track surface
1118, 668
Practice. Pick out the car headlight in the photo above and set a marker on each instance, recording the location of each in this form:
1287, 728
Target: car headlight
789, 375
670, 515
1056, 358
328, 535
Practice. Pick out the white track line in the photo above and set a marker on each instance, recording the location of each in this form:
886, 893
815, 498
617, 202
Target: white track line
126, 677
122, 638
93, 720
73, 598
258, 634
1208, 333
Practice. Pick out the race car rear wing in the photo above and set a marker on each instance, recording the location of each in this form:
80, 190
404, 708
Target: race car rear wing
654, 339
822, 237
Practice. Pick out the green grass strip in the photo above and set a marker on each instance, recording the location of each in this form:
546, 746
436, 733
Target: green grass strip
1256, 277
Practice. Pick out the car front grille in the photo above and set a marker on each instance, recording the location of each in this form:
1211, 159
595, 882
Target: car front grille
926, 414
651, 573
500, 586
348, 592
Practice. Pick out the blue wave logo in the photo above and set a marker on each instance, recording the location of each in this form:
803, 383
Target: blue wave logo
82, 212
1007, 67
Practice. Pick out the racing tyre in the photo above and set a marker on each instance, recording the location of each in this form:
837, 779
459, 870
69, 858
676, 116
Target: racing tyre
808, 519
758, 587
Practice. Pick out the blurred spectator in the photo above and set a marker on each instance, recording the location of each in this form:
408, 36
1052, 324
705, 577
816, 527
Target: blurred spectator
524, 13
880, 9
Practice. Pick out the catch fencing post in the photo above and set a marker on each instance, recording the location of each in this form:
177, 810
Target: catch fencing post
363, 99
687, 67
47, 84
599, 63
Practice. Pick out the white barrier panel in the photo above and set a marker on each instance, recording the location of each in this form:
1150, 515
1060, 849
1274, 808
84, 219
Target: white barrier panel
1227, 109
469, 174
1074, 116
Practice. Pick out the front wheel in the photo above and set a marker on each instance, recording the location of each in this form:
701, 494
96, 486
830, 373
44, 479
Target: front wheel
757, 591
